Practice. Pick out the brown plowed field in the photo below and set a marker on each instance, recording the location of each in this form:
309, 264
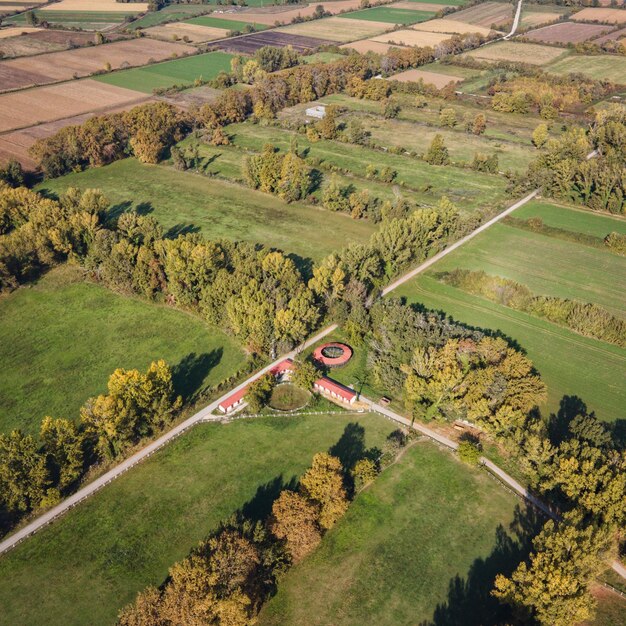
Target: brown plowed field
485, 14
451, 26
42, 41
432, 78
97, 5
284, 14
45, 104
15, 31
566, 32
412, 37
58, 66
592, 14
616, 35
249, 44
15, 144
338, 29
195, 33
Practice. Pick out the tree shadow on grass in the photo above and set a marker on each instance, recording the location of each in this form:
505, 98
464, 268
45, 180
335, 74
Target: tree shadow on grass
259, 507
469, 601
181, 229
189, 374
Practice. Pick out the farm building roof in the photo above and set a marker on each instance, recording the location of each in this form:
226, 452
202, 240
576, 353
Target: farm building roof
282, 367
337, 388
233, 399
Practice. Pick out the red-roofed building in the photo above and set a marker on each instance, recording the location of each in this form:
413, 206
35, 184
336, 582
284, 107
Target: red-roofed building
233, 401
284, 369
335, 390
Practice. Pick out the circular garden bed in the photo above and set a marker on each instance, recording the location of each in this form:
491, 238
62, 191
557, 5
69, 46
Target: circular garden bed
333, 354
288, 397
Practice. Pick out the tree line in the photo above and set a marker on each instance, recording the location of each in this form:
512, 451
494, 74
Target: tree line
445, 371
36, 473
584, 318
563, 171
228, 577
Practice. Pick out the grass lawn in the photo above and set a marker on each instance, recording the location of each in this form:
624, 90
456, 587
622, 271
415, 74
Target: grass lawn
570, 364
216, 22
84, 567
322, 57
599, 67
163, 75
471, 190
390, 15
171, 13
546, 265
397, 553
184, 202
62, 338
75, 17
577, 220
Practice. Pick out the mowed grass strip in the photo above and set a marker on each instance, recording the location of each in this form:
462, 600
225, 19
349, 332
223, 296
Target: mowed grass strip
76, 17
163, 75
186, 202
569, 364
572, 219
87, 565
600, 67
547, 266
392, 558
518, 52
215, 22
390, 15
61, 339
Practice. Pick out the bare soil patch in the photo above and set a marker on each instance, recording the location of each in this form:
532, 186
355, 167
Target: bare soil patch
193, 32
15, 31
249, 44
535, 19
592, 14
284, 14
338, 29
412, 37
43, 41
566, 32
616, 35
514, 51
369, 45
432, 78
58, 66
486, 14
451, 26
45, 104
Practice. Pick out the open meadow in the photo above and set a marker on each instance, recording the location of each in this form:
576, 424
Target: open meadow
337, 29
398, 554
165, 75
471, 190
61, 339
517, 52
186, 202
487, 14
390, 14
600, 67
99, 555
569, 363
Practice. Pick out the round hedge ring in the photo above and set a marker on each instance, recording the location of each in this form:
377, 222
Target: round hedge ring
333, 354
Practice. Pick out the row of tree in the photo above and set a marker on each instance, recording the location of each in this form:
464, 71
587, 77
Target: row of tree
226, 579
36, 473
563, 170
584, 318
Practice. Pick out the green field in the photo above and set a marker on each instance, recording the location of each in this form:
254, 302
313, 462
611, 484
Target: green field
184, 202
576, 220
61, 339
322, 57
171, 13
548, 266
471, 190
391, 559
78, 18
165, 75
599, 67
216, 22
390, 15
83, 568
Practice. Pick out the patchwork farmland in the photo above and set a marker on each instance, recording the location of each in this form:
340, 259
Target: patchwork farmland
426, 224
